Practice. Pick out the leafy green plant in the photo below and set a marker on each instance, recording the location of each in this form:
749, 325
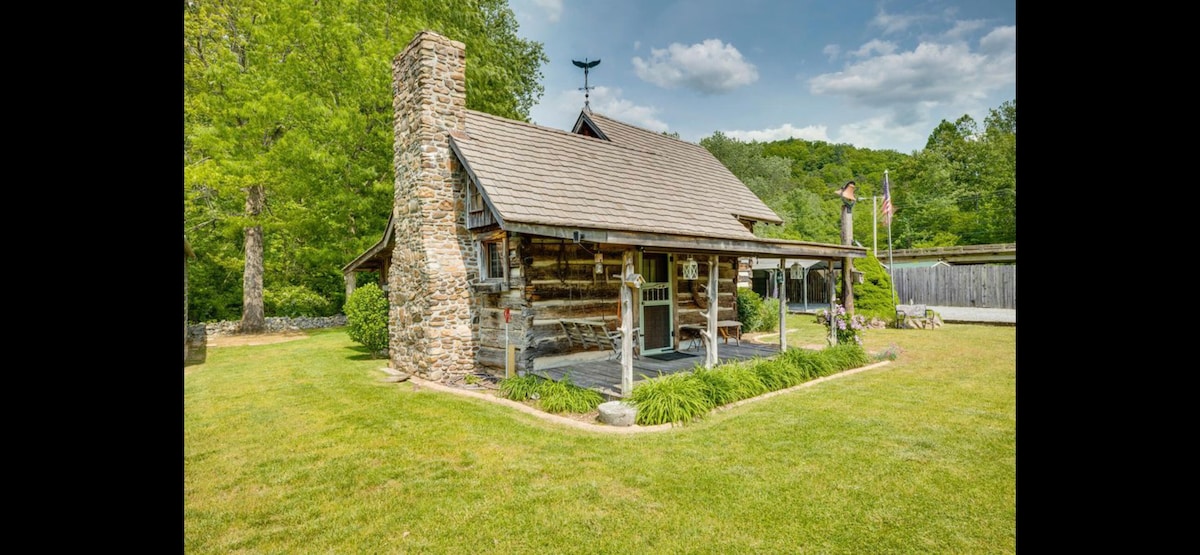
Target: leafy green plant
845, 356
564, 396
891, 353
551, 396
873, 297
768, 315
294, 301
749, 308
367, 317
719, 387
671, 398
810, 364
848, 328
521, 388
746, 383
772, 373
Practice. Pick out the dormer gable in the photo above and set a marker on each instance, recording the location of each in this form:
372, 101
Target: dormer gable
585, 126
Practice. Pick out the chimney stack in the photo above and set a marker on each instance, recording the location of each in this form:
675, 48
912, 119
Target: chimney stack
431, 333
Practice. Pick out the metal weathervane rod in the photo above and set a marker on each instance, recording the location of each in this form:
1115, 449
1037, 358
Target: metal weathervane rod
586, 65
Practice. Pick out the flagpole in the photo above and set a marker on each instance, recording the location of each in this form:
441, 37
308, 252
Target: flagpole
891, 280
875, 225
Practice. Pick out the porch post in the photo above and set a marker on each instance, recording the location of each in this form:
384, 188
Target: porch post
627, 325
714, 296
783, 305
832, 303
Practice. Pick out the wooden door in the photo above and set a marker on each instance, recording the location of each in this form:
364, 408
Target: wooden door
657, 330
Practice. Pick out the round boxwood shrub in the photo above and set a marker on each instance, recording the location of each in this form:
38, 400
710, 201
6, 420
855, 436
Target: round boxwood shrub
367, 317
295, 301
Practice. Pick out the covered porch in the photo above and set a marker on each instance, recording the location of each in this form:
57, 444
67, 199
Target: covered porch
605, 375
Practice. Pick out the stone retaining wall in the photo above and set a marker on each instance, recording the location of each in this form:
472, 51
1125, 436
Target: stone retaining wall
277, 324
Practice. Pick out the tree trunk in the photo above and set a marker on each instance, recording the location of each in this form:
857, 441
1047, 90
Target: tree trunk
253, 318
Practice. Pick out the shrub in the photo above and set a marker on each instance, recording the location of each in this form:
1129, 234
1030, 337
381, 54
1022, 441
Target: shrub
719, 387
873, 297
564, 396
521, 388
810, 364
845, 356
367, 317
551, 396
746, 383
847, 327
749, 308
768, 315
293, 301
671, 398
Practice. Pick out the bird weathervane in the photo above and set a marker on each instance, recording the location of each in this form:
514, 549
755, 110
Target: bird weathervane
586, 65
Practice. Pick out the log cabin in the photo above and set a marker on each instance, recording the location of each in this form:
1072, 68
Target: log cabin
514, 247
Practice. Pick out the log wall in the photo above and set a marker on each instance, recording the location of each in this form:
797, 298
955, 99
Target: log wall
552, 279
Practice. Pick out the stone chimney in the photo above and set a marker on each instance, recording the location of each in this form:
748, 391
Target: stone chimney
430, 322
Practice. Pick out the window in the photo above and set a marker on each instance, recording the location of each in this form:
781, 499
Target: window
493, 260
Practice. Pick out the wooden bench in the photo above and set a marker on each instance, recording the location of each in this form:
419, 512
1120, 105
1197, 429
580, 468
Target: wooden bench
914, 316
590, 332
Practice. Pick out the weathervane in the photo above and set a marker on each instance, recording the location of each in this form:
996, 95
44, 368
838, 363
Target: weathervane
586, 65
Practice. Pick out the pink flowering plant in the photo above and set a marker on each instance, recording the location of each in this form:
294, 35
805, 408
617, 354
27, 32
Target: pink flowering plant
849, 328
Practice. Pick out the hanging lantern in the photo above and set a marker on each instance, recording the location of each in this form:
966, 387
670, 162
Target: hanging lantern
691, 270
599, 263
797, 271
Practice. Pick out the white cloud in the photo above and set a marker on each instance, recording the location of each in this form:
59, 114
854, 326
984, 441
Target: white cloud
832, 51
964, 28
874, 47
785, 131
553, 8
604, 100
710, 66
876, 133
637, 45
891, 23
939, 73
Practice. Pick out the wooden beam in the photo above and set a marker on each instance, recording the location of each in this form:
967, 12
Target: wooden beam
783, 306
697, 245
832, 304
710, 334
627, 325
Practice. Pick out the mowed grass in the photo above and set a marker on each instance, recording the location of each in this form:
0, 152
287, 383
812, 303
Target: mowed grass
300, 447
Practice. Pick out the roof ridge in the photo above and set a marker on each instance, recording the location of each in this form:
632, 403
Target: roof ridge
622, 146
650, 131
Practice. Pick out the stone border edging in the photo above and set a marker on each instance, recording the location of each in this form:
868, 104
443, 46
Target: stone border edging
604, 428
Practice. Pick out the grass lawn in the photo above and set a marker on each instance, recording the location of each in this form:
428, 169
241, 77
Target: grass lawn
300, 447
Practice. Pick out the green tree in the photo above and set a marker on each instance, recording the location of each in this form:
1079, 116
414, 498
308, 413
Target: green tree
873, 297
288, 131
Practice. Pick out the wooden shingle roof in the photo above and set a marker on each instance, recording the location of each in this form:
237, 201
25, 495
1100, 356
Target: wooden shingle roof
637, 181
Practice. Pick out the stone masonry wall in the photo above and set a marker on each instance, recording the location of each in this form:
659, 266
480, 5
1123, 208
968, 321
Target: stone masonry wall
432, 331
275, 324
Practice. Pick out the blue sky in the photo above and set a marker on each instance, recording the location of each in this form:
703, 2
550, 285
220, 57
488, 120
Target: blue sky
874, 74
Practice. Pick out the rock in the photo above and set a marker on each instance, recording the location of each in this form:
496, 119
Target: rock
397, 378
617, 413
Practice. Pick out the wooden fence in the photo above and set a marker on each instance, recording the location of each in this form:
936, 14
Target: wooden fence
972, 285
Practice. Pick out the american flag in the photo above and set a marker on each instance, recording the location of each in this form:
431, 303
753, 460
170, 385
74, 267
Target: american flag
887, 209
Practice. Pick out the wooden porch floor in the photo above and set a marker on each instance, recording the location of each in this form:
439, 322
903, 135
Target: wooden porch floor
605, 375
